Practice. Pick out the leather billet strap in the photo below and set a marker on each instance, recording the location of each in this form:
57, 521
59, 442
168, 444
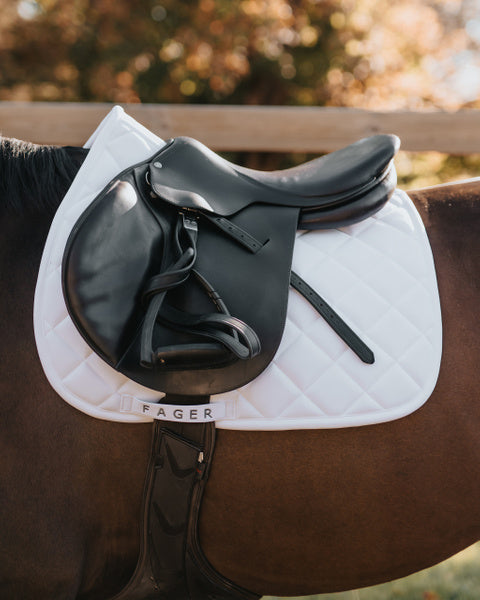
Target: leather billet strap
333, 319
171, 565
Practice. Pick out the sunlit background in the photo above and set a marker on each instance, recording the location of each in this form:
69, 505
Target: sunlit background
374, 54
406, 54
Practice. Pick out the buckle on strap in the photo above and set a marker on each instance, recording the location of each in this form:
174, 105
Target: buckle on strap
189, 223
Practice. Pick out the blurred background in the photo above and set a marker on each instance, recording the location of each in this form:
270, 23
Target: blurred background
370, 54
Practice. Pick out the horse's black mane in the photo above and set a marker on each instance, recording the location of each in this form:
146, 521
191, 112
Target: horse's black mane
35, 178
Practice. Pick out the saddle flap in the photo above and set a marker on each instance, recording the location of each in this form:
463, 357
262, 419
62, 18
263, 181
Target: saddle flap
126, 237
113, 250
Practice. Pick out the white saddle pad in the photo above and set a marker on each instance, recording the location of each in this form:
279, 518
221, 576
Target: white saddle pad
378, 275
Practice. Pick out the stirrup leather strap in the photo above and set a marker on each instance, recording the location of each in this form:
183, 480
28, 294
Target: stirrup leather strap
226, 332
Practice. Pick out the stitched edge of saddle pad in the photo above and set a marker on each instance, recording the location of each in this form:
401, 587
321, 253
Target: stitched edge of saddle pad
378, 274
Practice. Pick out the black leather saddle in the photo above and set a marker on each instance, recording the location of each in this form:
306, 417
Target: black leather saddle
177, 274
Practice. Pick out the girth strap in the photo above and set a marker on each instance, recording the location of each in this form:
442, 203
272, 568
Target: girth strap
171, 565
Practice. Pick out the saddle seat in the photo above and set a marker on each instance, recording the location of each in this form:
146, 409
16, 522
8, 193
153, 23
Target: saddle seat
333, 190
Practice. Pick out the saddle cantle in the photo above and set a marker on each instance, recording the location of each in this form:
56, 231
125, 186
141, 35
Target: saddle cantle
177, 274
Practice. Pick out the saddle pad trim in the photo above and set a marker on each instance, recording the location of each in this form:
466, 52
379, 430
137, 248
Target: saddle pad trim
185, 413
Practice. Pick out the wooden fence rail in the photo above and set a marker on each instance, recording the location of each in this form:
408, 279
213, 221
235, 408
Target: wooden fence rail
257, 128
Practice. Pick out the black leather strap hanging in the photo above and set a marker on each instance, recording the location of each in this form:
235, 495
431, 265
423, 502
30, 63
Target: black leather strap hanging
333, 319
171, 565
225, 335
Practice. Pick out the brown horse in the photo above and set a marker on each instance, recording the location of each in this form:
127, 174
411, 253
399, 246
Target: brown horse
284, 513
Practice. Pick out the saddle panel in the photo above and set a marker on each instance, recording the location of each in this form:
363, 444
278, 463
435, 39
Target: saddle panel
346, 213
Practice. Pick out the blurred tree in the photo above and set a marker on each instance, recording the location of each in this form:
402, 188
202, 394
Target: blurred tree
366, 53
378, 54
248, 51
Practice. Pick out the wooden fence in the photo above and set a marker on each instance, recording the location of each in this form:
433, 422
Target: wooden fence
254, 128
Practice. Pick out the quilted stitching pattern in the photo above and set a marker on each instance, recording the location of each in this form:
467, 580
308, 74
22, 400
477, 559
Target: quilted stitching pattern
378, 275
